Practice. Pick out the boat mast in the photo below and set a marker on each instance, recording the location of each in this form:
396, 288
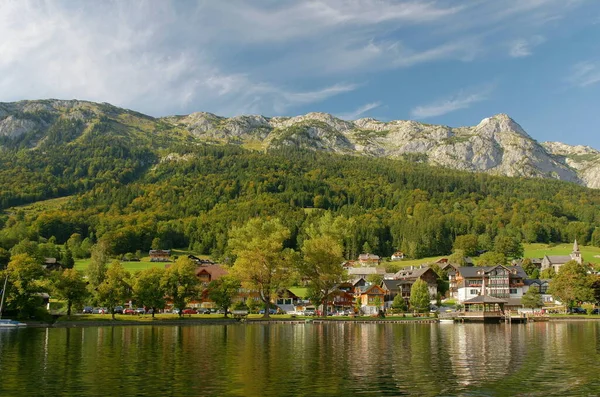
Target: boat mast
3, 292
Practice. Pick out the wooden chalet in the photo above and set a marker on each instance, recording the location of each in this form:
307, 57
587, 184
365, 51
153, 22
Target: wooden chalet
160, 255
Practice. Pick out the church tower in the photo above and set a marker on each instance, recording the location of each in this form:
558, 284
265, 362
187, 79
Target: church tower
576, 254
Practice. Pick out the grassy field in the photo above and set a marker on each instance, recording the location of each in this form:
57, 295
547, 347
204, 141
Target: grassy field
40, 206
144, 263
590, 254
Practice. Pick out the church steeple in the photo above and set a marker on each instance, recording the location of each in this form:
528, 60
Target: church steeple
576, 254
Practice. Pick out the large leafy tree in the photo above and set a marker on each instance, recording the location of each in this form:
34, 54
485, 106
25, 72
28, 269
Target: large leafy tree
222, 291
491, 258
529, 268
572, 284
180, 283
532, 298
115, 288
467, 243
70, 286
509, 246
262, 263
24, 284
322, 266
419, 296
96, 270
148, 290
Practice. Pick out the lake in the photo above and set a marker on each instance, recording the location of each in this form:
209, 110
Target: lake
537, 359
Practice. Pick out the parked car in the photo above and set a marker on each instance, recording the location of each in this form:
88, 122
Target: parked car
119, 310
128, 311
88, 310
595, 311
140, 310
190, 311
205, 311
176, 311
99, 310
577, 310
309, 313
271, 311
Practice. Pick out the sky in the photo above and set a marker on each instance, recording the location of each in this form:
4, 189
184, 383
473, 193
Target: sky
440, 62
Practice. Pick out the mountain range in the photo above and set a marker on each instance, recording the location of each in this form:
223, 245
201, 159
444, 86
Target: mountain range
497, 145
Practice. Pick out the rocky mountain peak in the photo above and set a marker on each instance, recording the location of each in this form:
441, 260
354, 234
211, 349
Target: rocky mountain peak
500, 123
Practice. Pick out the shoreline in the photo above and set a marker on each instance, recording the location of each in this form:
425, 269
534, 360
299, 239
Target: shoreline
232, 321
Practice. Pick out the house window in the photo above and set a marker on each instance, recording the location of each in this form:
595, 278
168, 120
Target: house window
513, 291
474, 292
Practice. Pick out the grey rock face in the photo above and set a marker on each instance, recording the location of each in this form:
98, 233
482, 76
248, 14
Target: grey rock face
13, 127
497, 145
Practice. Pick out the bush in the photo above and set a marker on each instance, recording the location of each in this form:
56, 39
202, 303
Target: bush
588, 307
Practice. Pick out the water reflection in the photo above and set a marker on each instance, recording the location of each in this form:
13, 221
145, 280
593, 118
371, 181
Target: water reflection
303, 360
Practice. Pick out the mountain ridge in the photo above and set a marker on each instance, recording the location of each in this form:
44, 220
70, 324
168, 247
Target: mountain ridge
497, 145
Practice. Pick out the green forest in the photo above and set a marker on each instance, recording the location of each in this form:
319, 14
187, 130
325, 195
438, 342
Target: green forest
134, 183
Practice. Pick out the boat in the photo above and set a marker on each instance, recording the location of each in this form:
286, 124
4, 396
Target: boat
11, 323
5, 323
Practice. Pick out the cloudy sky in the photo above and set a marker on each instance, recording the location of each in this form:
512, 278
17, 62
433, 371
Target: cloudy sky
447, 62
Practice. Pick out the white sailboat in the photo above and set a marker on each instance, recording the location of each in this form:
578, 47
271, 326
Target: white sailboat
7, 323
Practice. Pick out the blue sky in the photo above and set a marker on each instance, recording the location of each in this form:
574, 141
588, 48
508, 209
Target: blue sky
441, 62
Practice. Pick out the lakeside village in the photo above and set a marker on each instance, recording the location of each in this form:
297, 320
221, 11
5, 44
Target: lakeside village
440, 289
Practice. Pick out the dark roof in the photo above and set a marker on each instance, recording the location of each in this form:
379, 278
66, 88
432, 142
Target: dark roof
531, 281
484, 299
391, 285
411, 272
473, 271
558, 259
514, 302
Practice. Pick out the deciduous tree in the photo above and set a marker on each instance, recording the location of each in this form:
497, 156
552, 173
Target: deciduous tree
532, 298
70, 286
419, 296
467, 243
262, 263
180, 283
148, 289
572, 284
222, 291
115, 288
25, 284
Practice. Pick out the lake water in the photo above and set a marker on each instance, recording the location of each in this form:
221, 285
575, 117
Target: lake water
538, 359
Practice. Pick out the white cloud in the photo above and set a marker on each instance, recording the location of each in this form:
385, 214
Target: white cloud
585, 73
523, 47
360, 111
128, 54
461, 100
235, 56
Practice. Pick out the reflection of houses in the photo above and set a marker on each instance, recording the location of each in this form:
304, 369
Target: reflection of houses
369, 259
556, 261
371, 298
160, 255
397, 256
503, 282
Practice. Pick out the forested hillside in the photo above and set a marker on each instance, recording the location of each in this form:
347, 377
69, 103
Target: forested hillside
132, 179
